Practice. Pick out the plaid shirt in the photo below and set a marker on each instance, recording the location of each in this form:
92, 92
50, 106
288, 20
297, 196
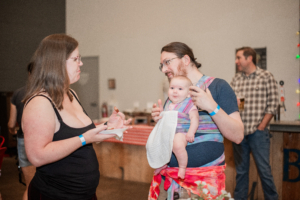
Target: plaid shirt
261, 96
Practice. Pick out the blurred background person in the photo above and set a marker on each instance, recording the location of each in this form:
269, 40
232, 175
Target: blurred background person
259, 89
16, 111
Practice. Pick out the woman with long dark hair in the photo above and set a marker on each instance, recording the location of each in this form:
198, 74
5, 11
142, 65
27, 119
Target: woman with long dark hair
58, 132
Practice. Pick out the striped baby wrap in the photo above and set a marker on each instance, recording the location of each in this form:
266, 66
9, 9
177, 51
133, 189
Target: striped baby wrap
206, 124
209, 132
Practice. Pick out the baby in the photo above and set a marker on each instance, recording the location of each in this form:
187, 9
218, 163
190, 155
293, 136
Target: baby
179, 100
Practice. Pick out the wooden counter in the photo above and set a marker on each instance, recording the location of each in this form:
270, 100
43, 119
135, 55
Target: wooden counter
285, 126
286, 158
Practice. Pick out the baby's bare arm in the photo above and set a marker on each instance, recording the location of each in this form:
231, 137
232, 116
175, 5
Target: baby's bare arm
194, 118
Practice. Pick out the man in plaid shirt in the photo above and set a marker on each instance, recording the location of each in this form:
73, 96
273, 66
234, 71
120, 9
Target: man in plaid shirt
260, 92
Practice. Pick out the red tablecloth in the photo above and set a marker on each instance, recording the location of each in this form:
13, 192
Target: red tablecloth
138, 135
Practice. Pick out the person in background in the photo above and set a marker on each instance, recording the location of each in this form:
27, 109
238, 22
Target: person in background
58, 133
16, 111
218, 115
259, 90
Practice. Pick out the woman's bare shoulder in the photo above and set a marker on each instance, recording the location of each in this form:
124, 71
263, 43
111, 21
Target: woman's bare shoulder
39, 117
38, 106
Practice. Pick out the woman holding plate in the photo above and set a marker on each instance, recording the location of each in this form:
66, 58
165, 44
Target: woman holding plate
58, 132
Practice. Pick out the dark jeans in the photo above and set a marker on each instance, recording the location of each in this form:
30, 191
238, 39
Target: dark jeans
35, 194
259, 144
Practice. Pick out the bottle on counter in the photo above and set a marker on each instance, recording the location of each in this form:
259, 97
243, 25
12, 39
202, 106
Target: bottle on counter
277, 114
104, 110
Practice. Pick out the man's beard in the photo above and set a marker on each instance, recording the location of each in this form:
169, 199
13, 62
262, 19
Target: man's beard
180, 71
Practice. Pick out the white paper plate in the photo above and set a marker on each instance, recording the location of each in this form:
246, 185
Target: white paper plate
118, 132
114, 131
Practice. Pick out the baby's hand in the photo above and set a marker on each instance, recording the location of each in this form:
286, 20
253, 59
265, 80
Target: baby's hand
190, 137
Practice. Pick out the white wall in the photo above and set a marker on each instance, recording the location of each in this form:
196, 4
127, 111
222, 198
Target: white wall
128, 35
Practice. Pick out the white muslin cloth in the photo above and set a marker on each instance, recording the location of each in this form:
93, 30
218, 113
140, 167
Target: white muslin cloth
160, 142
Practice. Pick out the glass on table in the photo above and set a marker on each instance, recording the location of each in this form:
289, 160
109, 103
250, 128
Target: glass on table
241, 104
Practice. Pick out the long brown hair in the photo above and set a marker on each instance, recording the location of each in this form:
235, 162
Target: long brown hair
49, 73
181, 49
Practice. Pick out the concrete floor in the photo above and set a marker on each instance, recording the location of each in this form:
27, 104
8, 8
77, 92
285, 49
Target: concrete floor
108, 188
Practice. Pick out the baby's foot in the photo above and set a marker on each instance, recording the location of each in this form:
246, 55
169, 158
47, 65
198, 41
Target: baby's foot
181, 172
159, 169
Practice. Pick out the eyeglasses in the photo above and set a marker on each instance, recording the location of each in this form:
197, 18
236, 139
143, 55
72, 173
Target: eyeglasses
165, 63
76, 59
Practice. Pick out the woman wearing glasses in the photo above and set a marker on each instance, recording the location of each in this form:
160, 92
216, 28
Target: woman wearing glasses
58, 132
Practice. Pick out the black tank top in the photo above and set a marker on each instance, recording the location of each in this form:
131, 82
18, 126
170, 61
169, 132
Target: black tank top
74, 177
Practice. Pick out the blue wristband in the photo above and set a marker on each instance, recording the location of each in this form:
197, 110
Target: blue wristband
83, 142
215, 111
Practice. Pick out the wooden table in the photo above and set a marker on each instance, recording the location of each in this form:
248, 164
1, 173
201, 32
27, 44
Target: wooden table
126, 160
138, 135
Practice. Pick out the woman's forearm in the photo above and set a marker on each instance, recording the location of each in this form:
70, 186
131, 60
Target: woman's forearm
12, 119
